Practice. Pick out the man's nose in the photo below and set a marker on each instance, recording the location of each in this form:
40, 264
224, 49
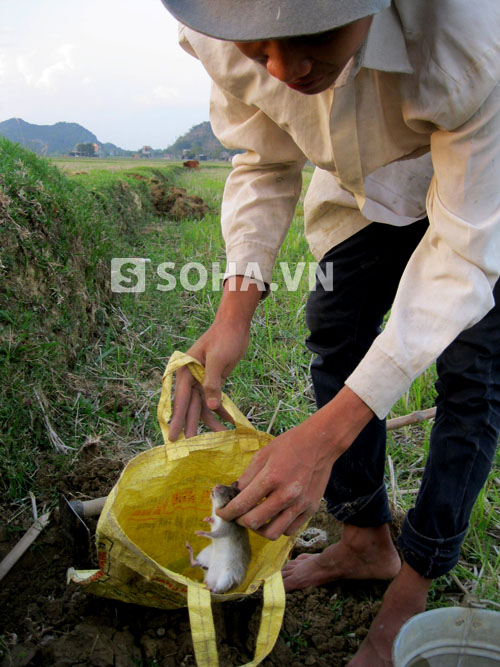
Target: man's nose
286, 64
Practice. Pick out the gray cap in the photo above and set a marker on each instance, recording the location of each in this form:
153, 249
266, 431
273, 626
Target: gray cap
252, 20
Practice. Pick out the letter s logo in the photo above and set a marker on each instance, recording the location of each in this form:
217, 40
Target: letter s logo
128, 274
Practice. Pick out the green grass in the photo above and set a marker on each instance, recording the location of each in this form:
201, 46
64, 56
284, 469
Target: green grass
99, 374
72, 165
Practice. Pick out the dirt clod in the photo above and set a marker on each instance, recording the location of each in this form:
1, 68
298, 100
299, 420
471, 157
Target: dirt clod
175, 203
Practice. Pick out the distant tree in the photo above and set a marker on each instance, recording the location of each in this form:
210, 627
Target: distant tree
87, 149
196, 148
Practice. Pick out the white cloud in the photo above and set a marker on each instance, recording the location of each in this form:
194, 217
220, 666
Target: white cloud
3, 66
162, 92
7, 36
48, 77
160, 96
23, 67
115, 67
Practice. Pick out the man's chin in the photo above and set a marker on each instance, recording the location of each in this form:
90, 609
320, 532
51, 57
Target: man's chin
311, 87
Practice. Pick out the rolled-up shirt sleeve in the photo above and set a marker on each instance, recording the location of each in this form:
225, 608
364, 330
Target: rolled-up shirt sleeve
447, 284
263, 188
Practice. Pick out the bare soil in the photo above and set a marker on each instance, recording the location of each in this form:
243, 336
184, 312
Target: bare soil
43, 621
170, 201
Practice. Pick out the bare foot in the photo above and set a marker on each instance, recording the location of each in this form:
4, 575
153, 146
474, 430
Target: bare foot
361, 553
405, 597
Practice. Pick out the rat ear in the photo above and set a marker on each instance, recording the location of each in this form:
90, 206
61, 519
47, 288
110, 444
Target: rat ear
235, 484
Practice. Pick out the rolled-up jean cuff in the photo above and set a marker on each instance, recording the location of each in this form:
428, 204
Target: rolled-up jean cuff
372, 510
430, 557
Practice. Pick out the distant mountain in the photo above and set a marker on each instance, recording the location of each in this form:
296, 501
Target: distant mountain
200, 140
58, 139
62, 138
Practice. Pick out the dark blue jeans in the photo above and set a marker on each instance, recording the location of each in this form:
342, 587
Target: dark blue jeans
343, 323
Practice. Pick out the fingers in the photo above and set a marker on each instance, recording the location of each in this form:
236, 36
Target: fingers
299, 521
251, 472
280, 513
286, 523
192, 402
244, 502
256, 483
190, 406
208, 417
224, 414
193, 413
212, 384
257, 506
197, 410
275, 527
182, 399
276, 515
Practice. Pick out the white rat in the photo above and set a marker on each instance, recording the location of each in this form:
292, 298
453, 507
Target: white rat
227, 558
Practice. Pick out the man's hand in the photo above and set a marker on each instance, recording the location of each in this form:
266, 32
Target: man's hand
282, 486
291, 474
219, 349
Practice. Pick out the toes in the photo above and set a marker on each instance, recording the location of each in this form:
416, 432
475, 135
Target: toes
290, 585
292, 564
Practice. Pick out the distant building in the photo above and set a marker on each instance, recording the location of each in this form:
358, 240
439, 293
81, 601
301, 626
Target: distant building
86, 149
146, 151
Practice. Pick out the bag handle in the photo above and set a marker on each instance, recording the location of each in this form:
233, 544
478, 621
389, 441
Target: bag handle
203, 630
176, 361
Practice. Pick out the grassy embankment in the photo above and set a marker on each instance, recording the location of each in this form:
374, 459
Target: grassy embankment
95, 358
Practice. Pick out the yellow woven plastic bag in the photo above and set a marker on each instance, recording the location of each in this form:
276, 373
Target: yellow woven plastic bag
158, 503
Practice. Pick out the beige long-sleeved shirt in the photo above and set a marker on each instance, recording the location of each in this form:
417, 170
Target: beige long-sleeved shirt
414, 131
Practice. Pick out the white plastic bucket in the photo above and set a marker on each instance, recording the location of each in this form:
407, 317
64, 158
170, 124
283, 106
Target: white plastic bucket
449, 637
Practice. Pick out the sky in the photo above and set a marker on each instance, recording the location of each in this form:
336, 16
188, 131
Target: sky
113, 66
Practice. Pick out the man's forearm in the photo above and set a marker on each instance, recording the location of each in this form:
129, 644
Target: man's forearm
337, 424
238, 305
